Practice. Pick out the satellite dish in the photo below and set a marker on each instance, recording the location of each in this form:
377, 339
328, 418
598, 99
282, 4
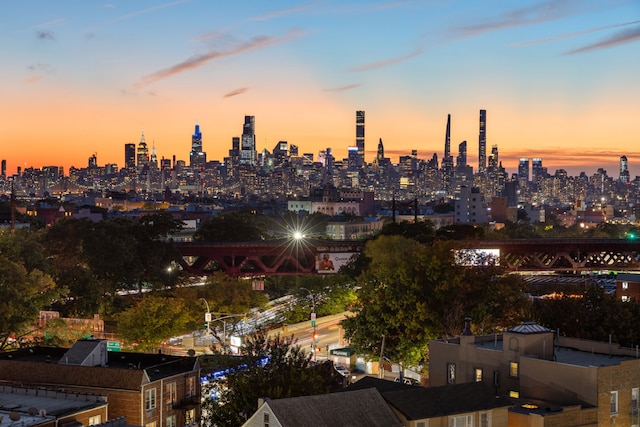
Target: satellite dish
14, 416
191, 352
43, 412
32, 411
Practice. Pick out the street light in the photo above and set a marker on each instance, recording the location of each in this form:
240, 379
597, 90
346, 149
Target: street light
207, 317
313, 322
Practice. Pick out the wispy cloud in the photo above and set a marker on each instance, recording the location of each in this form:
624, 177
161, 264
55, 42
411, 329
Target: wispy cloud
33, 79
209, 36
198, 61
574, 34
42, 68
278, 13
149, 10
550, 10
622, 37
387, 62
49, 23
343, 88
236, 92
45, 35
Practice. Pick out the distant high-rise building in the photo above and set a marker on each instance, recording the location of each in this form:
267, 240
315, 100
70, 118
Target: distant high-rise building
353, 158
154, 157
493, 160
197, 158
624, 170
360, 137
248, 152
447, 138
482, 143
93, 161
130, 156
293, 150
380, 153
142, 152
537, 170
461, 160
447, 160
523, 171
3, 169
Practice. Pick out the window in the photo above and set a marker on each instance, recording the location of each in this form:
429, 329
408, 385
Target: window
422, 423
191, 387
461, 421
451, 373
513, 369
96, 419
634, 399
614, 402
171, 421
496, 378
478, 375
150, 399
514, 394
190, 416
485, 419
625, 285
265, 419
170, 393
625, 298
151, 424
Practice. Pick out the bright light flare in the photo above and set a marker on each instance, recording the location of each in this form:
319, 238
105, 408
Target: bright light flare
298, 235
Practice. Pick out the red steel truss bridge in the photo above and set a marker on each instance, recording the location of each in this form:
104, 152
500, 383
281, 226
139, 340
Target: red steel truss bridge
294, 257
261, 258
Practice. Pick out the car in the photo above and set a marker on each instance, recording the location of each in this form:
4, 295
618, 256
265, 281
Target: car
407, 381
342, 370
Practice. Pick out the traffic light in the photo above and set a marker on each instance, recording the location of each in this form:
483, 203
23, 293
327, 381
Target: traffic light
206, 325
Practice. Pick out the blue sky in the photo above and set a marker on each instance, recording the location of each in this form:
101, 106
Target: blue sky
558, 78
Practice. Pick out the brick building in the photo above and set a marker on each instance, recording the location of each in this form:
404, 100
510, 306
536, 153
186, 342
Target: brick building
152, 390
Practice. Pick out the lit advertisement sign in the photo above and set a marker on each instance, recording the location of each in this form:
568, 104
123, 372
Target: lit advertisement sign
477, 257
331, 262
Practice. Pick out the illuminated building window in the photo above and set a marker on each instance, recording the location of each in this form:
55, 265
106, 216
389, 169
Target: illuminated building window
478, 375
614, 402
625, 285
514, 394
513, 369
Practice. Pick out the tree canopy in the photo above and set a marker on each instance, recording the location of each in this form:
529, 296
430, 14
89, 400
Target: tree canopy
152, 320
413, 292
288, 373
232, 227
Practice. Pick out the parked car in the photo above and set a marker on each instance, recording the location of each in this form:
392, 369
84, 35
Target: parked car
342, 370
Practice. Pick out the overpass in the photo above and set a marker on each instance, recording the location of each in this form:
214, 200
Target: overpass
294, 257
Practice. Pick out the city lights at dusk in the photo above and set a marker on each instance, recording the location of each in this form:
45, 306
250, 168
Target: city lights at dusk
558, 79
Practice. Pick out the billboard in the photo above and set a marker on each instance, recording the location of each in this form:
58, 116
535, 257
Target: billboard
330, 262
477, 257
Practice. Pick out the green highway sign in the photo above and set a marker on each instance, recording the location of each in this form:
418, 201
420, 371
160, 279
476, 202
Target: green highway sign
113, 346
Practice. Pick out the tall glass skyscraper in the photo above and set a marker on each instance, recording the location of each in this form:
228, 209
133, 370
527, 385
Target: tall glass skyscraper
197, 158
360, 138
482, 143
248, 153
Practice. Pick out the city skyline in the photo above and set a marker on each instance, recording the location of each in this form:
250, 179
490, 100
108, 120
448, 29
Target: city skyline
556, 78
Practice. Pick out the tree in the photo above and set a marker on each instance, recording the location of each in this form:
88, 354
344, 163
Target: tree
287, 373
232, 227
413, 292
152, 320
22, 295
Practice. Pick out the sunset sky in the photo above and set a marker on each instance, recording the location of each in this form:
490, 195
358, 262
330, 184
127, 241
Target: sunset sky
559, 79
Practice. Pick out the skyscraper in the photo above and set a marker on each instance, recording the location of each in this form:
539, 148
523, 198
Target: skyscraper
461, 160
523, 172
624, 170
360, 138
197, 158
3, 169
447, 160
537, 170
248, 153
482, 143
130, 156
142, 153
